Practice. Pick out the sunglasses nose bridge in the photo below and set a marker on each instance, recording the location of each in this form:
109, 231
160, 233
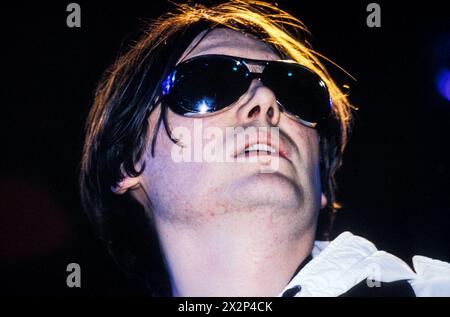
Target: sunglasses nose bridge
251, 76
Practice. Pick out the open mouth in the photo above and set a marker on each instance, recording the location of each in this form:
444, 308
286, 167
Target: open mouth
263, 145
259, 149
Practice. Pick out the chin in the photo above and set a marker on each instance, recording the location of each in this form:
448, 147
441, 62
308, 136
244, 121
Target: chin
273, 190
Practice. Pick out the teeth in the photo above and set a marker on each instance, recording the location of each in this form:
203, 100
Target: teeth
260, 147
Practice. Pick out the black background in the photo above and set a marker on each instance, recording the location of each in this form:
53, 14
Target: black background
394, 185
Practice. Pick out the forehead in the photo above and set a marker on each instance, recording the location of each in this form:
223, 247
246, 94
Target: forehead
229, 42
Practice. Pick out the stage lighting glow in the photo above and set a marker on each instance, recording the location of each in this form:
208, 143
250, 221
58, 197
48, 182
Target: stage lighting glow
443, 83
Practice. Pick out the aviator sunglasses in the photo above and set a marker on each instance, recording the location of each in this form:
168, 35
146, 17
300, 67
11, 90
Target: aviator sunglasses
206, 84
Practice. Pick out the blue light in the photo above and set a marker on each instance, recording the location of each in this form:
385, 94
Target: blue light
235, 68
168, 83
204, 105
443, 83
290, 74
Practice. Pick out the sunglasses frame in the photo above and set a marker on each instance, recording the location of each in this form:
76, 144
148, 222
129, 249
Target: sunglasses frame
167, 84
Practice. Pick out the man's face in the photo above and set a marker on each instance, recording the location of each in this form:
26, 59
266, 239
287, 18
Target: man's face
193, 192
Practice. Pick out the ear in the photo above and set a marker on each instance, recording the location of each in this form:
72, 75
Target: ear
128, 183
323, 201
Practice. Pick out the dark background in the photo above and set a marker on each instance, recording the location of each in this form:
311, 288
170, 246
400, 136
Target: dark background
394, 185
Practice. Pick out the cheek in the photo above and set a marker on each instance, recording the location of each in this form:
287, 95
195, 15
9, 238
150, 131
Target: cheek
314, 161
307, 141
161, 168
174, 185
312, 144
312, 149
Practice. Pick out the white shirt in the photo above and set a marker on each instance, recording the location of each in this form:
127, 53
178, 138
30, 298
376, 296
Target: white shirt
339, 265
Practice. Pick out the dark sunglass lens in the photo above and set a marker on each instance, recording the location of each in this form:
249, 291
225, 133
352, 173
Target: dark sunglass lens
299, 90
205, 84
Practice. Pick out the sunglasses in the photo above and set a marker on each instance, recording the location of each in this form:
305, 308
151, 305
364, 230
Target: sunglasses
210, 83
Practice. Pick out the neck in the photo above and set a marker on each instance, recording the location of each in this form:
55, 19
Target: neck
237, 254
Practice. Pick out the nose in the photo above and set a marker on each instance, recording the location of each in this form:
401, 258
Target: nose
261, 106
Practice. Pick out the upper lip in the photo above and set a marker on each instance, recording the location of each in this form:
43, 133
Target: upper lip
281, 146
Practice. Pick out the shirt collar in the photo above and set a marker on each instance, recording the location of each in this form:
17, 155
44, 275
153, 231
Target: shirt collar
337, 266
